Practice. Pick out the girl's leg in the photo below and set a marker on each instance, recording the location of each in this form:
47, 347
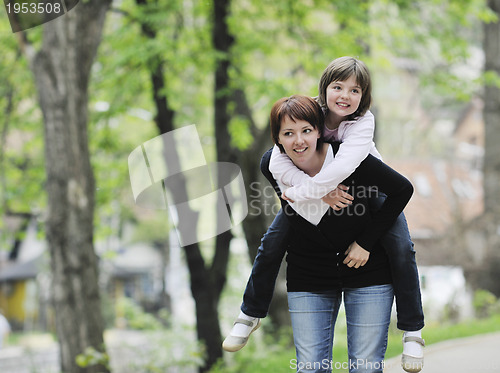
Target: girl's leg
313, 318
399, 248
260, 286
368, 314
405, 278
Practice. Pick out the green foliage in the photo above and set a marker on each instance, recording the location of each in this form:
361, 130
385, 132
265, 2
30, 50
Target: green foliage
437, 332
490, 78
239, 128
135, 316
170, 350
485, 304
92, 357
22, 174
439, 36
266, 354
166, 345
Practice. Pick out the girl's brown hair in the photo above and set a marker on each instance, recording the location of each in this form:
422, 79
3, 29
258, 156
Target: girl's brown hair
296, 107
342, 69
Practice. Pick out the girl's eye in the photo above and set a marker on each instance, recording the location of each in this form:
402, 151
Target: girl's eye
287, 134
355, 91
307, 130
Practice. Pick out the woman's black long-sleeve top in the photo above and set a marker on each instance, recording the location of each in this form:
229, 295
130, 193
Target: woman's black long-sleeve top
315, 252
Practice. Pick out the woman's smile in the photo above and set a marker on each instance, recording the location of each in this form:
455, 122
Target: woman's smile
298, 138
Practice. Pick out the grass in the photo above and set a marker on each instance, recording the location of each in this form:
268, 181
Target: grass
266, 354
29, 339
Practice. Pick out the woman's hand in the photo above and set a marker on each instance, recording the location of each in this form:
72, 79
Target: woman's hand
338, 198
356, 256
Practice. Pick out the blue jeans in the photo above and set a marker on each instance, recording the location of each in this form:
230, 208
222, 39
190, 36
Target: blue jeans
399, 248
368, 314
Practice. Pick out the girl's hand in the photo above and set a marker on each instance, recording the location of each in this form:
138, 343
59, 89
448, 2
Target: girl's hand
356, 256
286, 198
338, 198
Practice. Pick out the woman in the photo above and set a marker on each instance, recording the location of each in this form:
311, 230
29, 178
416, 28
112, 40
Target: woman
331, 253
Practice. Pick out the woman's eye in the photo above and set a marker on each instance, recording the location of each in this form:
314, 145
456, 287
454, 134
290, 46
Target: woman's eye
307, 130
287, 134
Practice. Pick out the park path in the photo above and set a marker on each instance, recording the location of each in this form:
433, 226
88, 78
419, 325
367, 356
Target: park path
476, 354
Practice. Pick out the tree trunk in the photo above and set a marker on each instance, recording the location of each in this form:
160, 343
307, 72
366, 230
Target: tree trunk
491, 115
482, 235
222, 41
203, 287
260, 214
62, 70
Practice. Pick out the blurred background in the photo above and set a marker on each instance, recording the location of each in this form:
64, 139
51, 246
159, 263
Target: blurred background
91, 282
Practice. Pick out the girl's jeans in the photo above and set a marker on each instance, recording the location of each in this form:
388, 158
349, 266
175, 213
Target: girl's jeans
399, 248
368, 314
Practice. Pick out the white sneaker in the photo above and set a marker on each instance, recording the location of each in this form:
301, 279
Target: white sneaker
234, 343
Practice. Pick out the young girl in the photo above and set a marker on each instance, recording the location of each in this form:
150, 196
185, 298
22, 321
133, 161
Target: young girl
345, 96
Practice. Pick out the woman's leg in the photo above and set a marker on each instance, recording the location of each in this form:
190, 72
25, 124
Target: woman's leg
313, 318
368, 314
260, 285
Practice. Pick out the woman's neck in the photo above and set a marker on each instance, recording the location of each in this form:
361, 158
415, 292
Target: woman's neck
316, 163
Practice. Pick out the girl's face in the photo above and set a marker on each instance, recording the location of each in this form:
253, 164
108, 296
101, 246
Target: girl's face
299, 139
343, 98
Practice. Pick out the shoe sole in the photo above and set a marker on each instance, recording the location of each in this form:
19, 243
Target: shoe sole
234, 348
412, 364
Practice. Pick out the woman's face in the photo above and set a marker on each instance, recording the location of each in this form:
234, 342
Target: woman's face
299, 139
343, 98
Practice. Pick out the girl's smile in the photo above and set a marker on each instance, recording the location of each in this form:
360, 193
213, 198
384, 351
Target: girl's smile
343, 99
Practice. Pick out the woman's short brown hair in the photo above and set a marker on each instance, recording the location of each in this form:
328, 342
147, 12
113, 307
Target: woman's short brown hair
296, 107
340, 70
